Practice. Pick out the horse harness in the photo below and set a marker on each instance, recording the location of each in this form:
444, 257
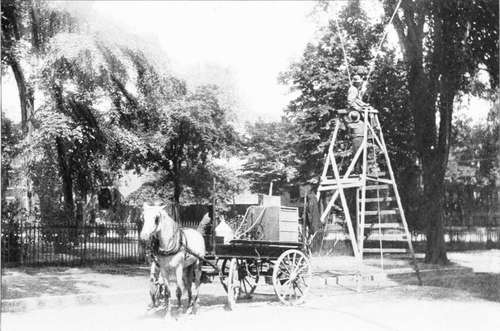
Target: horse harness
181, 243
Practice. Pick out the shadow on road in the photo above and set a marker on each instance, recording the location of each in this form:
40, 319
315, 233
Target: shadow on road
25, 286
208, 301
473, 285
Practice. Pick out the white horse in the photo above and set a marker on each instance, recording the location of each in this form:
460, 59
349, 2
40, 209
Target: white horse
177, 247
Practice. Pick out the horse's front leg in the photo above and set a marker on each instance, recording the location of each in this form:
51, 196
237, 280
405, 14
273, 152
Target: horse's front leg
179, 273
167, 293
197, 282
188, 281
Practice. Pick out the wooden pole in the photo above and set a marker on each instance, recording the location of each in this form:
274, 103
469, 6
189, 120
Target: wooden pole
214, 217
304, 232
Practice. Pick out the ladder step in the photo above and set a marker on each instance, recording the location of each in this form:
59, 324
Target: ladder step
375, 187
384, 226
377, 174
385, 250
381, 199
382, 212
333, 228
336, 187
327, 181
380, 173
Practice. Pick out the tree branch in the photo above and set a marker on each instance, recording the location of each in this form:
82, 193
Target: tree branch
130, 98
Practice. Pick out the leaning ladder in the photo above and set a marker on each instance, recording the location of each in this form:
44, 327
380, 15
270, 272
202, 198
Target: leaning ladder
333, 184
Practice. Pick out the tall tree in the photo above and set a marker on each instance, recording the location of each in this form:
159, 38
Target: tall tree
444, 44
270, 155
192, 130
88, 116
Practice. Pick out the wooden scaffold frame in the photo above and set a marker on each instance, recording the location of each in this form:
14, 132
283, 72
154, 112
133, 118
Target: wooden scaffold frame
349, 179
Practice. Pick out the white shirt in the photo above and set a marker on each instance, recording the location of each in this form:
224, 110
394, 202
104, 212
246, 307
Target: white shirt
354, 98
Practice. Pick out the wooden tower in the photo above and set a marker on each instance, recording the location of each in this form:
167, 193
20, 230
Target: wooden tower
373, 199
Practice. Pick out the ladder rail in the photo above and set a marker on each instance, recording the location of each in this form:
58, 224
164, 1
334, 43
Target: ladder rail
400, 205
347, 215
363, 182
378, 207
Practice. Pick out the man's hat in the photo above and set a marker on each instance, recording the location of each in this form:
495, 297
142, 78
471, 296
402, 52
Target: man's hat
354, 116
356, 79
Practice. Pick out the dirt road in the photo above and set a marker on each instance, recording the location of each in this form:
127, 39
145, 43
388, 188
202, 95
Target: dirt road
461, 302
403, 307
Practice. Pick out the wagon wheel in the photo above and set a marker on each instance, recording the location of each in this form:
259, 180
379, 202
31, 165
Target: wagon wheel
248, 275
291, 277
224, 273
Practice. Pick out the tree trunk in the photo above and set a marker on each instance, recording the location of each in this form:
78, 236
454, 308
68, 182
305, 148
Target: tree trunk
67, 180
431, 151
434, 209
177, 189
26, 98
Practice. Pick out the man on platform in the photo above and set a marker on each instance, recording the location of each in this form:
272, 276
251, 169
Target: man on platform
355, 125
355, 93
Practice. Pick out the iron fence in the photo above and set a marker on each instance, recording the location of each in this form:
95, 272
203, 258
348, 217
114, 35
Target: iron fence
33, 244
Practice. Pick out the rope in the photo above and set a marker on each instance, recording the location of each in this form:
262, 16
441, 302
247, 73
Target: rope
343, 48
241, 223
257, 220
372, 65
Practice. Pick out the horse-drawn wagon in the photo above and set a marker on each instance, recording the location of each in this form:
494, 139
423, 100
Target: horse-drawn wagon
267, 247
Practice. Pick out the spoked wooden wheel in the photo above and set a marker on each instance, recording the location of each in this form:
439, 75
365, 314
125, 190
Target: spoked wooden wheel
248, 272
224, 273
242, 279
292, 276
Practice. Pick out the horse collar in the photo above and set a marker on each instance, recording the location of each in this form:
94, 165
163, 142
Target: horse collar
176, 248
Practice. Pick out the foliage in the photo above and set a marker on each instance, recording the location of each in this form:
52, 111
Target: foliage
270, 155
228, 184
87, 128
11, 136
473, 167
27, 27
192, 129
101, 230
197, 189
12, 216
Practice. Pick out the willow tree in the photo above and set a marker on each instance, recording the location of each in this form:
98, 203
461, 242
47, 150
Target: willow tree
86, 124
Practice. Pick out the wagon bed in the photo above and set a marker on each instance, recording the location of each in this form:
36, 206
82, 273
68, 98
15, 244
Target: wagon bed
253, 249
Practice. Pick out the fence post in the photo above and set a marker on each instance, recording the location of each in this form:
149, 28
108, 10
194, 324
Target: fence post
137, 235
